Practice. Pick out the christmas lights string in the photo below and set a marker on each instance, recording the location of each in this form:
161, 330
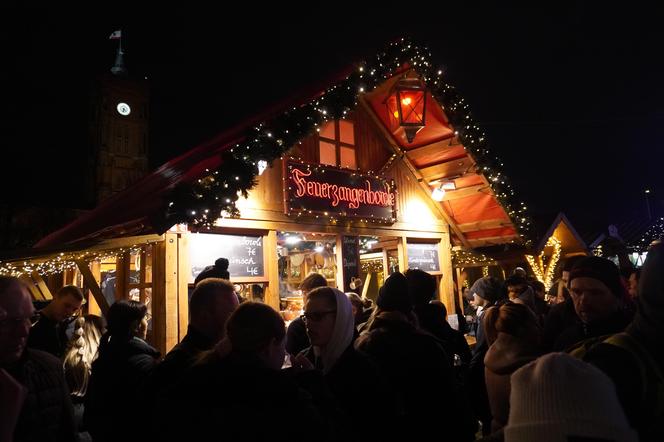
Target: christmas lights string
61, 262
542, 273
213, 196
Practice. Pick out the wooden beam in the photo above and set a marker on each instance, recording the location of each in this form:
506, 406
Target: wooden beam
184, 270
272, 261
93, 285
402, 251
463, 192
34, 291
158, 297
456, 167
412, 169
93, 306
446, 288
485, 224
171, 292
41, 285
492, 240
439, 147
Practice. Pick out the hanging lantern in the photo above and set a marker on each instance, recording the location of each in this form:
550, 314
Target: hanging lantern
411, 99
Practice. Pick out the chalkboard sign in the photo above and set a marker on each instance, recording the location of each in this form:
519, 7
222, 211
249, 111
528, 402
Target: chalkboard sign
423, 257
351, 259
244, 254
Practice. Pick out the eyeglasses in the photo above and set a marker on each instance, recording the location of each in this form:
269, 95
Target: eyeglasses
316, 316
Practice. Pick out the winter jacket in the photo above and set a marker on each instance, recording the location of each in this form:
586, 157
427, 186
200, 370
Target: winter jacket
117, 384
580, 331
417, 367
296, 337
47, 413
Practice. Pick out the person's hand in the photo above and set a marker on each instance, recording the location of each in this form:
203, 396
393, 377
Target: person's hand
300, 362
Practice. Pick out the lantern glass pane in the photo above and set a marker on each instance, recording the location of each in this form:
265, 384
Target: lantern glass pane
328, 153
412, 106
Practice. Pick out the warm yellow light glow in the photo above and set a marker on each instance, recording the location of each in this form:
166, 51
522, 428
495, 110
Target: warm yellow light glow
438, 193
406, 101
545, 275
396, 114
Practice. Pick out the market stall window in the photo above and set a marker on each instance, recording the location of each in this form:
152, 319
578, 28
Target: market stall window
337, 144
299, 255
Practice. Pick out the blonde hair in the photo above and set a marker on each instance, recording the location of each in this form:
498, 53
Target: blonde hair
82, 350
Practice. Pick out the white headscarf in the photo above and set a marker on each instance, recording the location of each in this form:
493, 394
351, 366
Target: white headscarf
342, 335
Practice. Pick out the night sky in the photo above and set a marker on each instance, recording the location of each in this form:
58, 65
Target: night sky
571, 96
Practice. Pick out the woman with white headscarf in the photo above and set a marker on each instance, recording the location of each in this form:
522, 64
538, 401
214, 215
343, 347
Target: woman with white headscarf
350, 375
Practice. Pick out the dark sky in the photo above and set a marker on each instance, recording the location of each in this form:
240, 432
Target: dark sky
570, 96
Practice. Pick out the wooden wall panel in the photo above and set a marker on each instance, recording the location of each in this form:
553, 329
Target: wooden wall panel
372, 154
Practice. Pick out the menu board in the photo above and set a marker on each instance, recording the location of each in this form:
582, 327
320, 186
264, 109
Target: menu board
423, 257
350, 247
244, 253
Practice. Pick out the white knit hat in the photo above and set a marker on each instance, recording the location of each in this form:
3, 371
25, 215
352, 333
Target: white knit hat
558, 396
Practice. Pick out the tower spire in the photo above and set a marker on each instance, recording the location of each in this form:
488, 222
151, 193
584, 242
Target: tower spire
119, 67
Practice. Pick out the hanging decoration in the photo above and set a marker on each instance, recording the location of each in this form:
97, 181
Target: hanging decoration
467, 258
214, 195
544, 273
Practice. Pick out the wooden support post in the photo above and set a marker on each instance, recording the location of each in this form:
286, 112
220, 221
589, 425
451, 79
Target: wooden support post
41, 285
402, 250
121, 276
184, 270
459, 287
386, 265
272, 268
171, 292
93, 306
91, 282
340, 263
446, 288
159, 297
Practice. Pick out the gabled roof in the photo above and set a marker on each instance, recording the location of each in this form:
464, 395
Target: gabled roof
478, 210
562, 229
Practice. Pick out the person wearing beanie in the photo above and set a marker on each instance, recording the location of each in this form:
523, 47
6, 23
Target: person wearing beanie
635, 359
559, 398
415, 366
394, 295
218, 270
598, 295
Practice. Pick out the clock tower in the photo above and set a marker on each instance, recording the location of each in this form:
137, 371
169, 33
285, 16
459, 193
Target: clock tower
118, 131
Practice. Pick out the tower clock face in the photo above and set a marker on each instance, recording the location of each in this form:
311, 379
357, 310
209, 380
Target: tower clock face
123, 109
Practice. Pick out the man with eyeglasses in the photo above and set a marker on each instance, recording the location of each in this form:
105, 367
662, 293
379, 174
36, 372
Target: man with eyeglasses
49, 331
46, 412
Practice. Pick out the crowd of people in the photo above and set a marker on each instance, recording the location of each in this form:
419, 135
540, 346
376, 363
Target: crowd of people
582, 364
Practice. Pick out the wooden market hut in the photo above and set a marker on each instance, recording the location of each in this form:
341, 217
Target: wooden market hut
420, 187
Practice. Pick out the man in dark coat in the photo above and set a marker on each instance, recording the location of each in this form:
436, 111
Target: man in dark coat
48, 333
416, 366
598, 295
46, 413
212, 302
634, 360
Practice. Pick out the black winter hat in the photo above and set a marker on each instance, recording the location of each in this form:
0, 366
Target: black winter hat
601, 269
488, 288
218, 270
394, 294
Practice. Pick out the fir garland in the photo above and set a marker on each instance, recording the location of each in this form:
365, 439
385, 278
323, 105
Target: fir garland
200, 203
